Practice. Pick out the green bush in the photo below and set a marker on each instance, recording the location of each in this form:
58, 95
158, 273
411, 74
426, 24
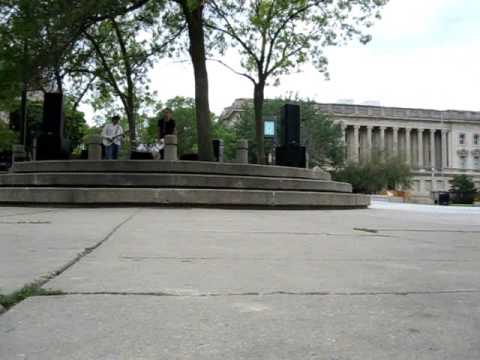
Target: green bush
462, 190
7, 138
373, 176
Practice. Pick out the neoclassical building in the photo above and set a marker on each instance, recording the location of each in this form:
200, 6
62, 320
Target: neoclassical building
436, 144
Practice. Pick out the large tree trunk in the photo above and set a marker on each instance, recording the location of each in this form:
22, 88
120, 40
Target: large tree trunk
258, 101
194, 17
132, 122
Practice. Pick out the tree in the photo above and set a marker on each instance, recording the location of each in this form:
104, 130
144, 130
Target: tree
276, 37
184, 113
193, 16
462, 183
375, 175
37, 38
321, 137
119, 61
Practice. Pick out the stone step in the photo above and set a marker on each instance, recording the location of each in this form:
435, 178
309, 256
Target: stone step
181, 197
156, 180
172, 167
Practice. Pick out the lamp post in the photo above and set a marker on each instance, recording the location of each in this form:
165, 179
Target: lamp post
433, 181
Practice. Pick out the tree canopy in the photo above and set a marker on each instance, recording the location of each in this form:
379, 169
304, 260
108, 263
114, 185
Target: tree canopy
104, 49
276, 37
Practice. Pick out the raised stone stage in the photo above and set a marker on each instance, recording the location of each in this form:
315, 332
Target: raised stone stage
176, 183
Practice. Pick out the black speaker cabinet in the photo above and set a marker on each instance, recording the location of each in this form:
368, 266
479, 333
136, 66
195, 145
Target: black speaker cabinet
50, 147
291, 155
53, 114
290, 124
217, 150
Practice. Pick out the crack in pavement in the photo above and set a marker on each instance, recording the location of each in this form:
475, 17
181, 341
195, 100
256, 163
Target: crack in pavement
30, 213
275, 293
428, 230
85, 252
29, 222
185, 259
240, 232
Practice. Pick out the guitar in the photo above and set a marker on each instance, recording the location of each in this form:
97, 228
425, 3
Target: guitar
158, 146
107, 141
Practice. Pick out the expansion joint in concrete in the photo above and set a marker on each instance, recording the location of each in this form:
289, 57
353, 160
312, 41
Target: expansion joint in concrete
275, 293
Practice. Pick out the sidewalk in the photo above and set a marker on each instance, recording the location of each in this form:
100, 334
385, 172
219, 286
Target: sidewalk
391, 282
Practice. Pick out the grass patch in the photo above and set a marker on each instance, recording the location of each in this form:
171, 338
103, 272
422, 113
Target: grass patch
10, 300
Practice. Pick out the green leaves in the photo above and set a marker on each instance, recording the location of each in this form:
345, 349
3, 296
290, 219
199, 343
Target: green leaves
462, 183
376, 175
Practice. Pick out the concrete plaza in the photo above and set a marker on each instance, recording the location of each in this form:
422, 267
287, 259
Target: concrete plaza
392, 282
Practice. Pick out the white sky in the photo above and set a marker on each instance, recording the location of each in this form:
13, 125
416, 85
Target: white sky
424, 53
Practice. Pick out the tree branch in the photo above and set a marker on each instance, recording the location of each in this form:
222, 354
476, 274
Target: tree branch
110, 76
234, 71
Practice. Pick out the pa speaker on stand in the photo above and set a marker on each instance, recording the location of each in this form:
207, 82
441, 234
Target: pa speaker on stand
290, 153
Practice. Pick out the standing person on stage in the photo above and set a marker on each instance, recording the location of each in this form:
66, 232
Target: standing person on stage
166, 126
112, 135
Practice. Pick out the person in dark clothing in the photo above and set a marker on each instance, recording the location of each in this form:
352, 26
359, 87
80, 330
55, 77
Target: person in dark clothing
166, 126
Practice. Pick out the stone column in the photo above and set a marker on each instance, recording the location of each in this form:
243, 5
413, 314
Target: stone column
369, 142
382, 141
94, 145
408, 155
344, 139
395, 141
433, 159
171, 148
444, 149
242, 151
356, 143
420, 148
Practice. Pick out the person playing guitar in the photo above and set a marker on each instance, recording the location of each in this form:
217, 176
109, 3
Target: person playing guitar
166, 126
112, 135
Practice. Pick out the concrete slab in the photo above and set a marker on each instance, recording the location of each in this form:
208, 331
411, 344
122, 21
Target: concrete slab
231, 252
387, 283
430, 326
35, 242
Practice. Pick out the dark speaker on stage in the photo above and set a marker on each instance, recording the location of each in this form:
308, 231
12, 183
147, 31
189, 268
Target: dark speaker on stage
53, 114
218, 150
290, 124
291, 155
50, 143
50, 147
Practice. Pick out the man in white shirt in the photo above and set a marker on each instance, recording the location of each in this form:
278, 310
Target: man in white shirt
112, 138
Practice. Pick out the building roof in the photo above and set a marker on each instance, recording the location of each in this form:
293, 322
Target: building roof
351, 110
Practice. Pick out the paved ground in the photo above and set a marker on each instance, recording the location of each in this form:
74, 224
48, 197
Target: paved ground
393, 282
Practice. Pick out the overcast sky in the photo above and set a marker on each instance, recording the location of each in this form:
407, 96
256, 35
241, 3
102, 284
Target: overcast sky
424, 53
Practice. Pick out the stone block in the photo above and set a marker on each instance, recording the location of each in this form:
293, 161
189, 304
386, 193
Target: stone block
171, 153
94, 143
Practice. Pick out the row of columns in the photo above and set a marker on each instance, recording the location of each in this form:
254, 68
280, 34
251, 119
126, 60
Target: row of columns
395, 146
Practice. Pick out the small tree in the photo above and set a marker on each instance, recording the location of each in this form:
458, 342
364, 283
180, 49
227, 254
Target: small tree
375, 175
462, 184
276, 37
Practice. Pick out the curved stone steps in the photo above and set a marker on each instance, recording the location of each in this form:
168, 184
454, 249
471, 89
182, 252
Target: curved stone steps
170, 167
182, 197
159, 180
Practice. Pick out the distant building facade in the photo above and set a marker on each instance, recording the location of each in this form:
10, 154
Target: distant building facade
436, 144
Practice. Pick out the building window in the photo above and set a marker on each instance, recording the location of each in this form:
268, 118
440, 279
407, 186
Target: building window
476, 162
463, 162
461, 139
476, 139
